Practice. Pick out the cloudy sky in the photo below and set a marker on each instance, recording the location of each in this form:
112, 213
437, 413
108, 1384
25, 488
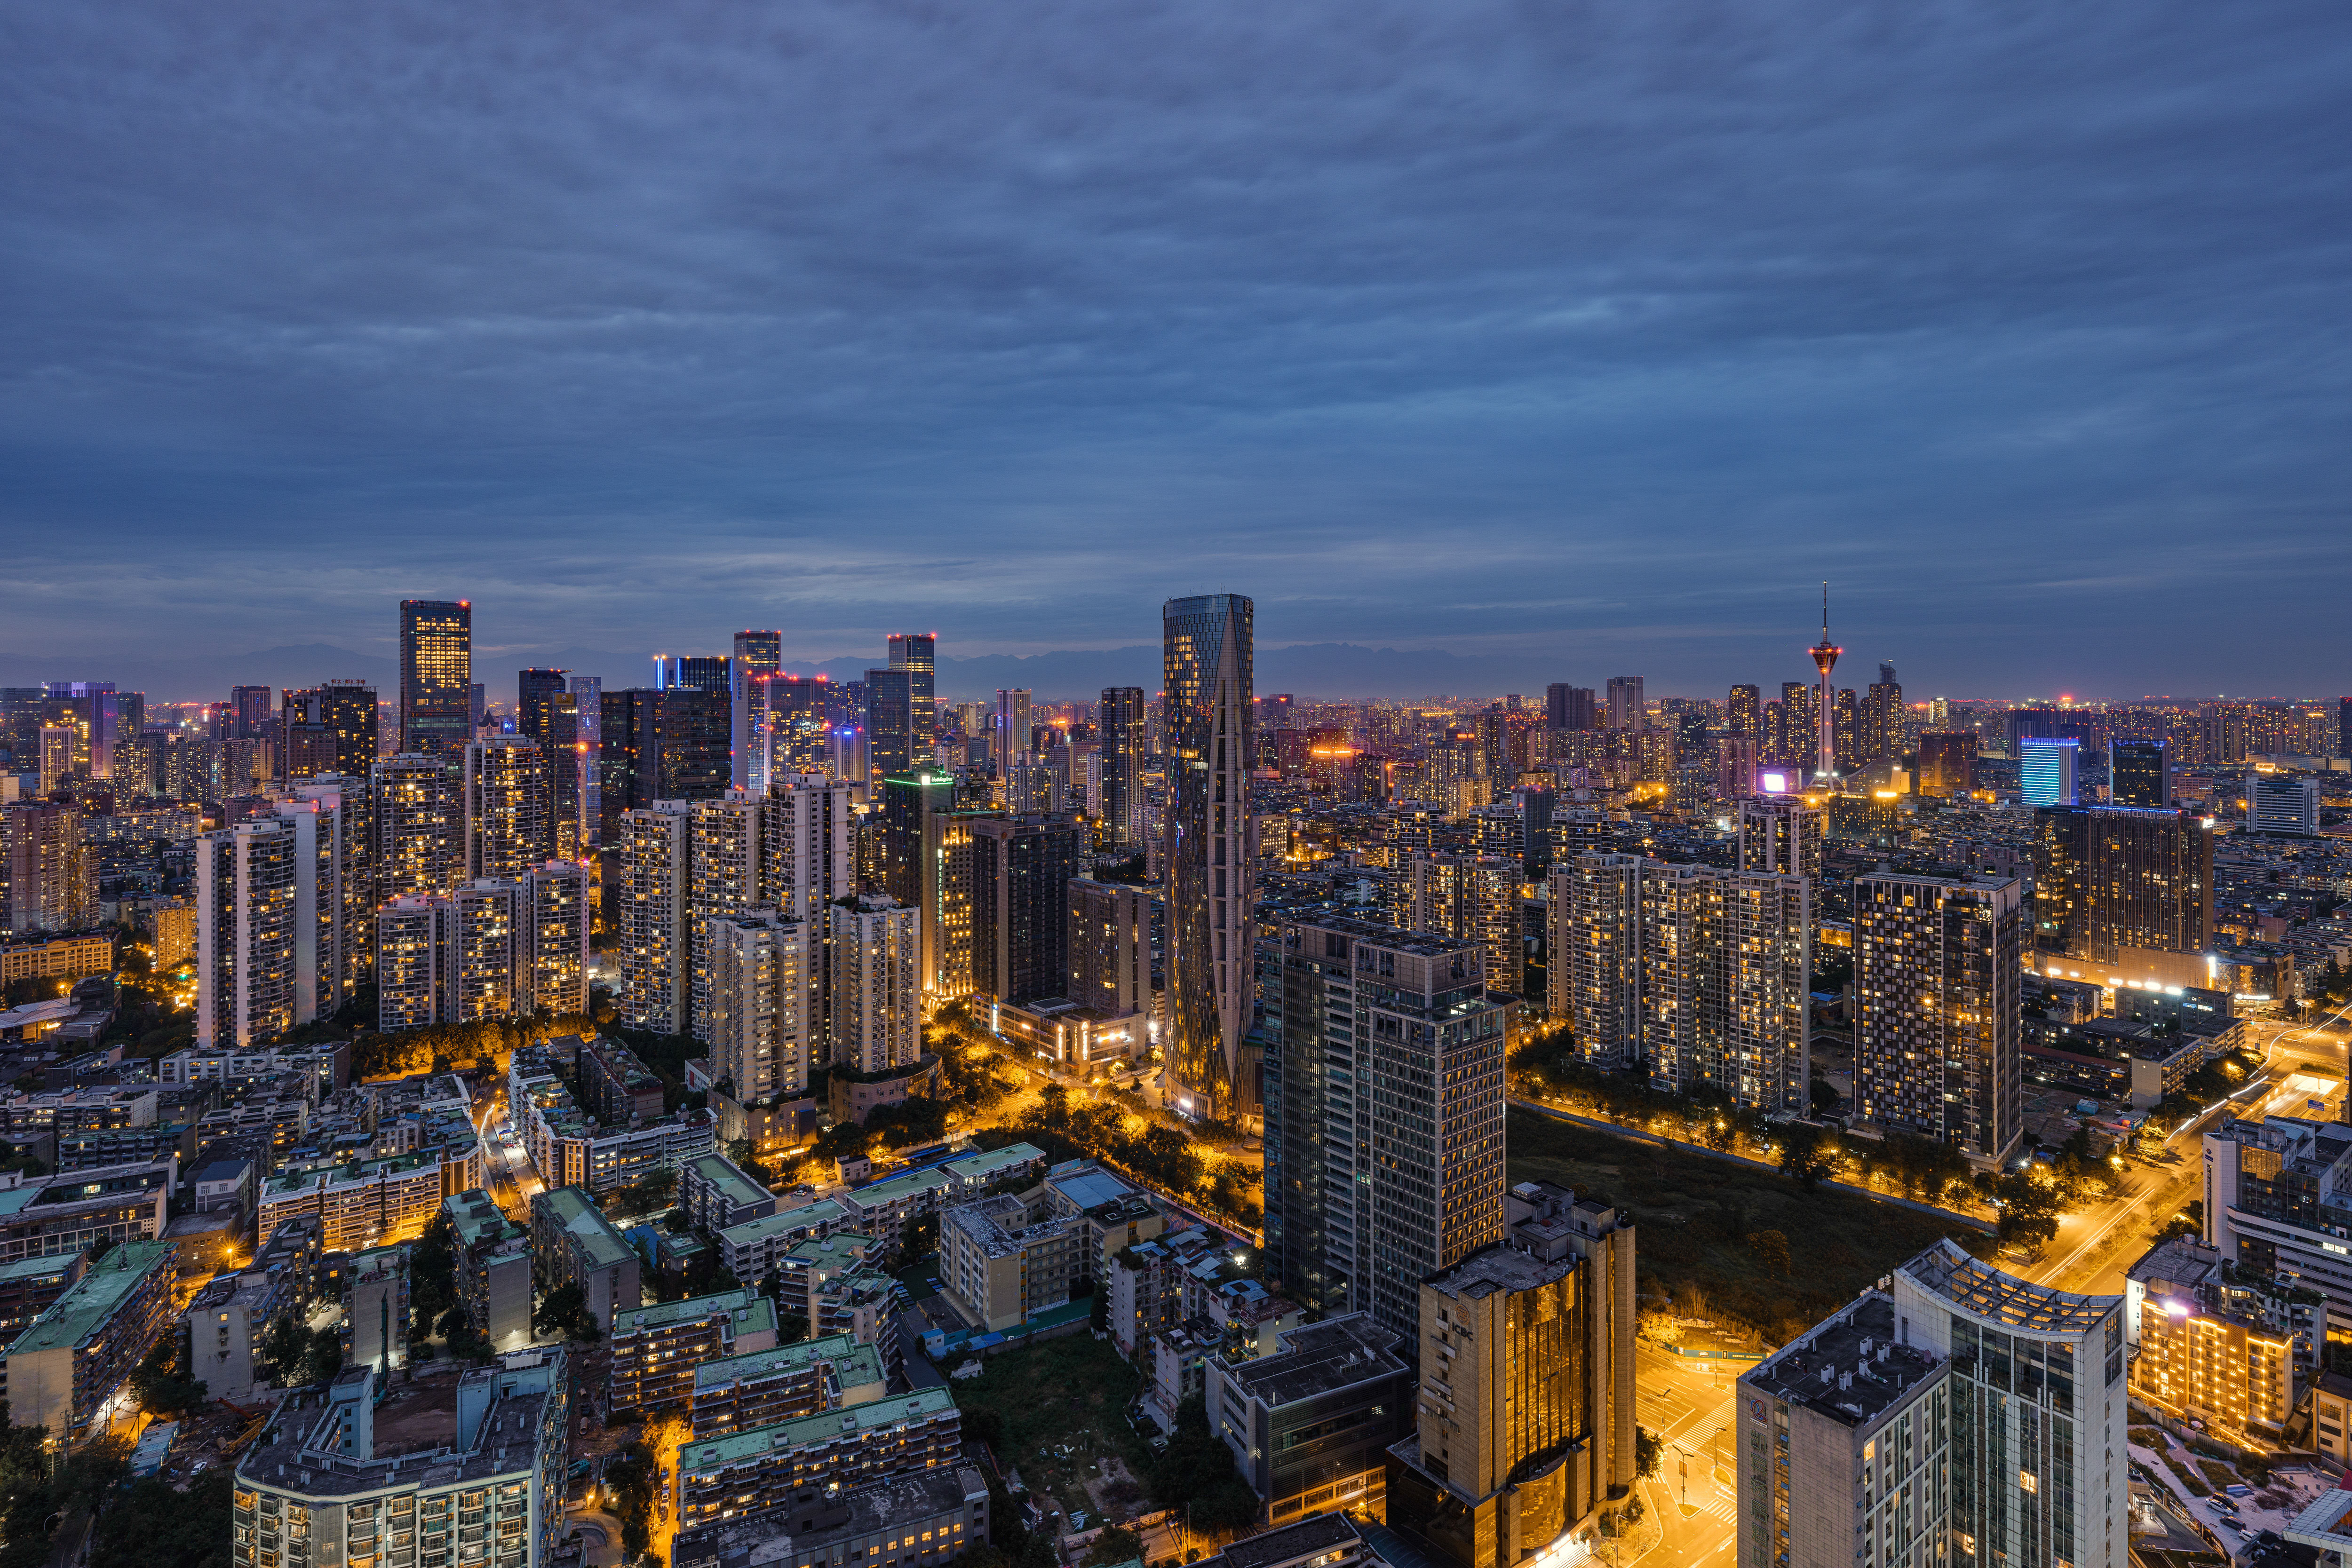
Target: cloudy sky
1575, 338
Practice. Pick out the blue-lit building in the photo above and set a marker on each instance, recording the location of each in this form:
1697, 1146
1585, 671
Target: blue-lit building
2046, 771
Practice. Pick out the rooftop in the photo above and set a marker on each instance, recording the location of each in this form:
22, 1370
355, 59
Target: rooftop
1320, 1358
1945, 1270
1325, 1533
1500, 1268
999, 1226
905, 1185
95, 1298
432, 1431
731, 1182
2180, 1261
569, 1209
1847, 1367
981, 1167
746, 1306
1088, 1188
872, 1415
809, 1524
786, 1222
852, 1362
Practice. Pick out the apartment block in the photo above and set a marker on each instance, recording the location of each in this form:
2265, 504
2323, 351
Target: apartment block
573, 1243
764, 1469
764, 1388
63, 1371
494, 1268
655, 1349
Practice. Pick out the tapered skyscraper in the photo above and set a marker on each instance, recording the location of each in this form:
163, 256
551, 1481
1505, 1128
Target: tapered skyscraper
1207, 648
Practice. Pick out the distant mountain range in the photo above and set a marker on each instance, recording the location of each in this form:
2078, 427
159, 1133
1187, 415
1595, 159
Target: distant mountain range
1326, 670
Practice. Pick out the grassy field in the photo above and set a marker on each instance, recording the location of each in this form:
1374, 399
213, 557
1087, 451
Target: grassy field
1700, 1219
1062, 1404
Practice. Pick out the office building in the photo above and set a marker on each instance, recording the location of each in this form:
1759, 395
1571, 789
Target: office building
1310, 1423
1879, 726
890, 724
64, 1371
2109, 880
1948, 762
51, 876
1207, 855
2283, 805
873, 955
807, 844
1109, 946
2047, 770
656, 1349
762, 1014
1123, 751
1935, 994
1569, 707
758, 653
656, 968
2139, 773
2198, 1358
910, 799
1361, 1202
420, 824
710, 672
473, 1465
917, 653
1524, 1430
436, 676
535, 693
661, 744
1021, 869
1781, 835
722, 878
509, 807
1008, 740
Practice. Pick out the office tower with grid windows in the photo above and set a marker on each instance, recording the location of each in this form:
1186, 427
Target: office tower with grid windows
2139, 773
2283, 805
1208, 855
1008, 739
1948, 762
2111, 881
1021, 869
1121, 717
436, 676
1569, 707
588, 736
535, 692
1743, 711
2047, 770
917, 653
1937, 961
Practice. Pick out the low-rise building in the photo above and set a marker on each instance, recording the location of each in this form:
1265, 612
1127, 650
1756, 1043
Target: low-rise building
29, 1285
883, 1209
494, 1268
763, 1387
1145, 1285
751, 1250
225, 1324
444, 1472
1116, 1216
763, 1468
369, 1203
1310, 1423
64, 1370
375, 1309
572, 1243
656, 1349
328, 1066
44, 1215
911, 1522
1323, 1540
2199, 1361
1001, 1261
717, 1194
1011, 1163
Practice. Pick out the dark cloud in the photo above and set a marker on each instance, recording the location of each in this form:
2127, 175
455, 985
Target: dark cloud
1588, 334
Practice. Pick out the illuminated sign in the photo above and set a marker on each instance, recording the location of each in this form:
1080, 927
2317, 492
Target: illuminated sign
1772, 783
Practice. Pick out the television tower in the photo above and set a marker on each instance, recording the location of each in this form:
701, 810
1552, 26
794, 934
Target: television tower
1825, 657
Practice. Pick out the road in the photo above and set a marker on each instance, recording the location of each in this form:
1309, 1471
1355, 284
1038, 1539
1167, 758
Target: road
2093, 1248
1687, 1403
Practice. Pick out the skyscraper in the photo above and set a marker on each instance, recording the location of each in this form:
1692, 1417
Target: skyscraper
2108, 879
1743, 711
249, 713
51, 881
420, 824
656, 969
1936, 988
1524, 1430
759, 658
1362, 1203
2139, 774
890, 723
1122, 763
908, 800
1626, 710
552, 946
535, 691
1569, 707
1475, 897
1207, 648
917, 653
1109, 947
1825, 657
436, 675
256, 934
1021, 868
1008, 741
694, 673
509, 818
2047, 771
587, 739
722, 878
660, 746
352, 838
873, 954
758, 653
806, 855
1948, 761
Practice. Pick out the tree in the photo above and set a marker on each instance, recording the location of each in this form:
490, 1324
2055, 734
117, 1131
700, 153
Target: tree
162, 1383
1771, 1249
154, 1525
1804, 1157
1117, 1543
285, 1345
2029, 1210
325, 1356
1649, 1453
564, 1310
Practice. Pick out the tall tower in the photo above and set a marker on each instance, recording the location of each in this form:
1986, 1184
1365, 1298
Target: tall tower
436, 676
917, 653
1207, 645
1825, 657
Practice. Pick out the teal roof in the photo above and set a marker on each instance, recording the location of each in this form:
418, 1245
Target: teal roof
39, 1267
874, 1415
734, 1184
981, 1167
604, 1246
790, 1221
830, 1249
900, 1187
95, 1298
746, 1305
841, 1349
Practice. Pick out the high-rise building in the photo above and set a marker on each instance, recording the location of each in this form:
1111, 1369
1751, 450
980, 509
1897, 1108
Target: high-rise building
722, 878
917, 653
1122, 763
759, 660
249, 713
51, 881
909, 800
2138, 773
1963, 1408
807, 854
253, 955
2344, 727
1626, 710
656, 967
588, 736
410, 934
873, 958
510, 813
1524, 1430
1021, 869
1362, 1203
1743, 711
1948, 762
2112, 879
436, 676
491, 947
346, 874
758, 653
2047, 770
420, 826
761, 1011
1569, 707
1782, 835
1699, 973
1109, 947
1936, 989
669, 745
551, 949
1845, 732
535, 693
1735, 767
712, 672
1881, 718
890, 723
2282, 804
1008, 741
1475, 897
1207, 645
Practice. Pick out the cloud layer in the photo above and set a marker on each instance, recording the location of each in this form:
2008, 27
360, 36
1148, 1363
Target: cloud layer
1590, 334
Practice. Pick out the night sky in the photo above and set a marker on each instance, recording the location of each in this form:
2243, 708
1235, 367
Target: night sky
1570, 340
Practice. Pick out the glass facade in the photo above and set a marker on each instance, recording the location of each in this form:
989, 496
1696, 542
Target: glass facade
1207, 645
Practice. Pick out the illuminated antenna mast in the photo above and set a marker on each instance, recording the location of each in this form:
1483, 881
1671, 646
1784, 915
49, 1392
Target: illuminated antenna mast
1825, 657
